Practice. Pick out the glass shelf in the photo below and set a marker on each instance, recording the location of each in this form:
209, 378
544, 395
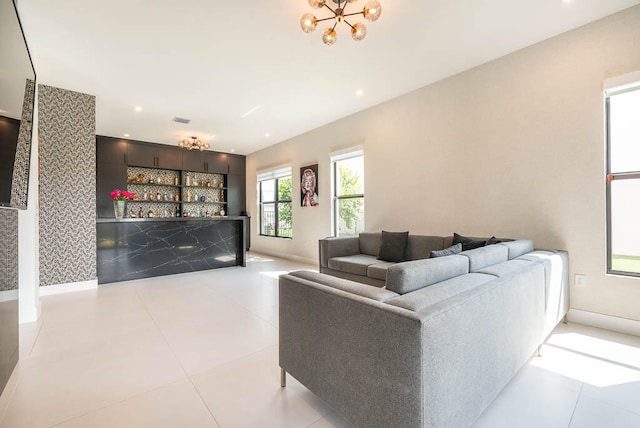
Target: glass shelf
146, 201
204, 187
203, 202
133, 183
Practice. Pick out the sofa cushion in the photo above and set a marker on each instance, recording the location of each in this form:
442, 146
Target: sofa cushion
393, 246
506, 268
482, 257
518, 247
368, 291
421, 246
454, 249
379, 270
357, 264
428, 296
467, 243
406, 277
370, 243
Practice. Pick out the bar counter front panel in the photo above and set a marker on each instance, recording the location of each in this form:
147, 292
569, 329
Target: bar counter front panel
142, 248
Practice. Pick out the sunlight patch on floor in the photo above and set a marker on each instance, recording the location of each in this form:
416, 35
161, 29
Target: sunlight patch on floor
591, 360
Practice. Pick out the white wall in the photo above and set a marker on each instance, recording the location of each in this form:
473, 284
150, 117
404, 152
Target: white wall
513, 148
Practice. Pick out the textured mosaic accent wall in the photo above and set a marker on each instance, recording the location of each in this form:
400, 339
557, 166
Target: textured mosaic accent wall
66, 123
20, 181
8, 249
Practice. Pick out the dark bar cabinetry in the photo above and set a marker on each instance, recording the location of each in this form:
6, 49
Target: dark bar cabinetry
116, 156
150, 156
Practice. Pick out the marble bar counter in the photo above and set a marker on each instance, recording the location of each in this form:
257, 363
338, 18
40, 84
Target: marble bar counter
134, 248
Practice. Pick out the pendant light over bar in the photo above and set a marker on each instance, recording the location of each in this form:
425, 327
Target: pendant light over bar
309, 22
194, 143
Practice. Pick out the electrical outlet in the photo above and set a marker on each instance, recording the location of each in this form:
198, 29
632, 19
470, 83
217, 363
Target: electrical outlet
580, 280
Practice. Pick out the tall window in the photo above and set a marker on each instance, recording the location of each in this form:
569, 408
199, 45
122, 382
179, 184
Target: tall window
274, 190
623, 179
348, 193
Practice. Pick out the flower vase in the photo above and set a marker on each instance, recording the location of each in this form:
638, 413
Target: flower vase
118, 208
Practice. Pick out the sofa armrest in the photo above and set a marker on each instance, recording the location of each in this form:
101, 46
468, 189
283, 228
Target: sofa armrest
364, 290
337, 247
360, 356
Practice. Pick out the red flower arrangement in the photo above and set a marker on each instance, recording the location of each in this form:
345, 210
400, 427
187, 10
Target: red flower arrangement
121, 195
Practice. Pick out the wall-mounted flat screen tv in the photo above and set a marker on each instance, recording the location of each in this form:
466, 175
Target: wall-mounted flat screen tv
17, 93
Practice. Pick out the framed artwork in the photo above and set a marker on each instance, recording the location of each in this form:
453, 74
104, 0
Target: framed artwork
309, 186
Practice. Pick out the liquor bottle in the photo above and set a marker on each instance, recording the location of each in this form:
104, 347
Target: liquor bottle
140, 215
188, 180
177, 213
188, 195
157, 212
176, 181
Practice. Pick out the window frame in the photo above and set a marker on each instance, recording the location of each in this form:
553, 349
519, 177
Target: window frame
335, 198
611, 176
276, 203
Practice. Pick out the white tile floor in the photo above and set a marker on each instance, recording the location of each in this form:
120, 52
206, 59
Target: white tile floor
201, 350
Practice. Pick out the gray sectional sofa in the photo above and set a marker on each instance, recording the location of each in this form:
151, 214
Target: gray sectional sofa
434, 346
355, 258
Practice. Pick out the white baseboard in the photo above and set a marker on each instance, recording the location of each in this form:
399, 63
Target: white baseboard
9, 295
49, 290
608, 322
283, 256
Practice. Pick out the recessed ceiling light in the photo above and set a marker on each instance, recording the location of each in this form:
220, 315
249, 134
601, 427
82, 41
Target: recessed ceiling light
138, 108
233, 150
359, 92
127, 135
266, 134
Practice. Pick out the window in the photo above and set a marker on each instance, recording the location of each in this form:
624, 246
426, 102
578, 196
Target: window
348, 193
274, 190
623, 179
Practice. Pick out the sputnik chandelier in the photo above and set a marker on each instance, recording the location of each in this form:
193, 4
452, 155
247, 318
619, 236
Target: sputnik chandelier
194, 143
309, 22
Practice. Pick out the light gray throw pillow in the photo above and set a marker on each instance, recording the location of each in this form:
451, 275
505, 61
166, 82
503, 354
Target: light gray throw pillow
454, 249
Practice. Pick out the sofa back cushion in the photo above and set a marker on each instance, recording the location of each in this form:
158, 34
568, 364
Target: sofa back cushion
518, 247
406, 277
370, 243
421, 246
480, 258
393, 246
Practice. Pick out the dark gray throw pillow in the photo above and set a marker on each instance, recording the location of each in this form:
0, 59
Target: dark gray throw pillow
493, 240
454, 249
467, 243
393, 246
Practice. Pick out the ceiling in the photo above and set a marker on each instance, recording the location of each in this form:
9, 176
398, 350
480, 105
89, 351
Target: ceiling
245, 73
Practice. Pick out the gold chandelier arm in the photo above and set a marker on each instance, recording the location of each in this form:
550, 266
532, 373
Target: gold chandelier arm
329, 7
347, 22
325, 19
354, 13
